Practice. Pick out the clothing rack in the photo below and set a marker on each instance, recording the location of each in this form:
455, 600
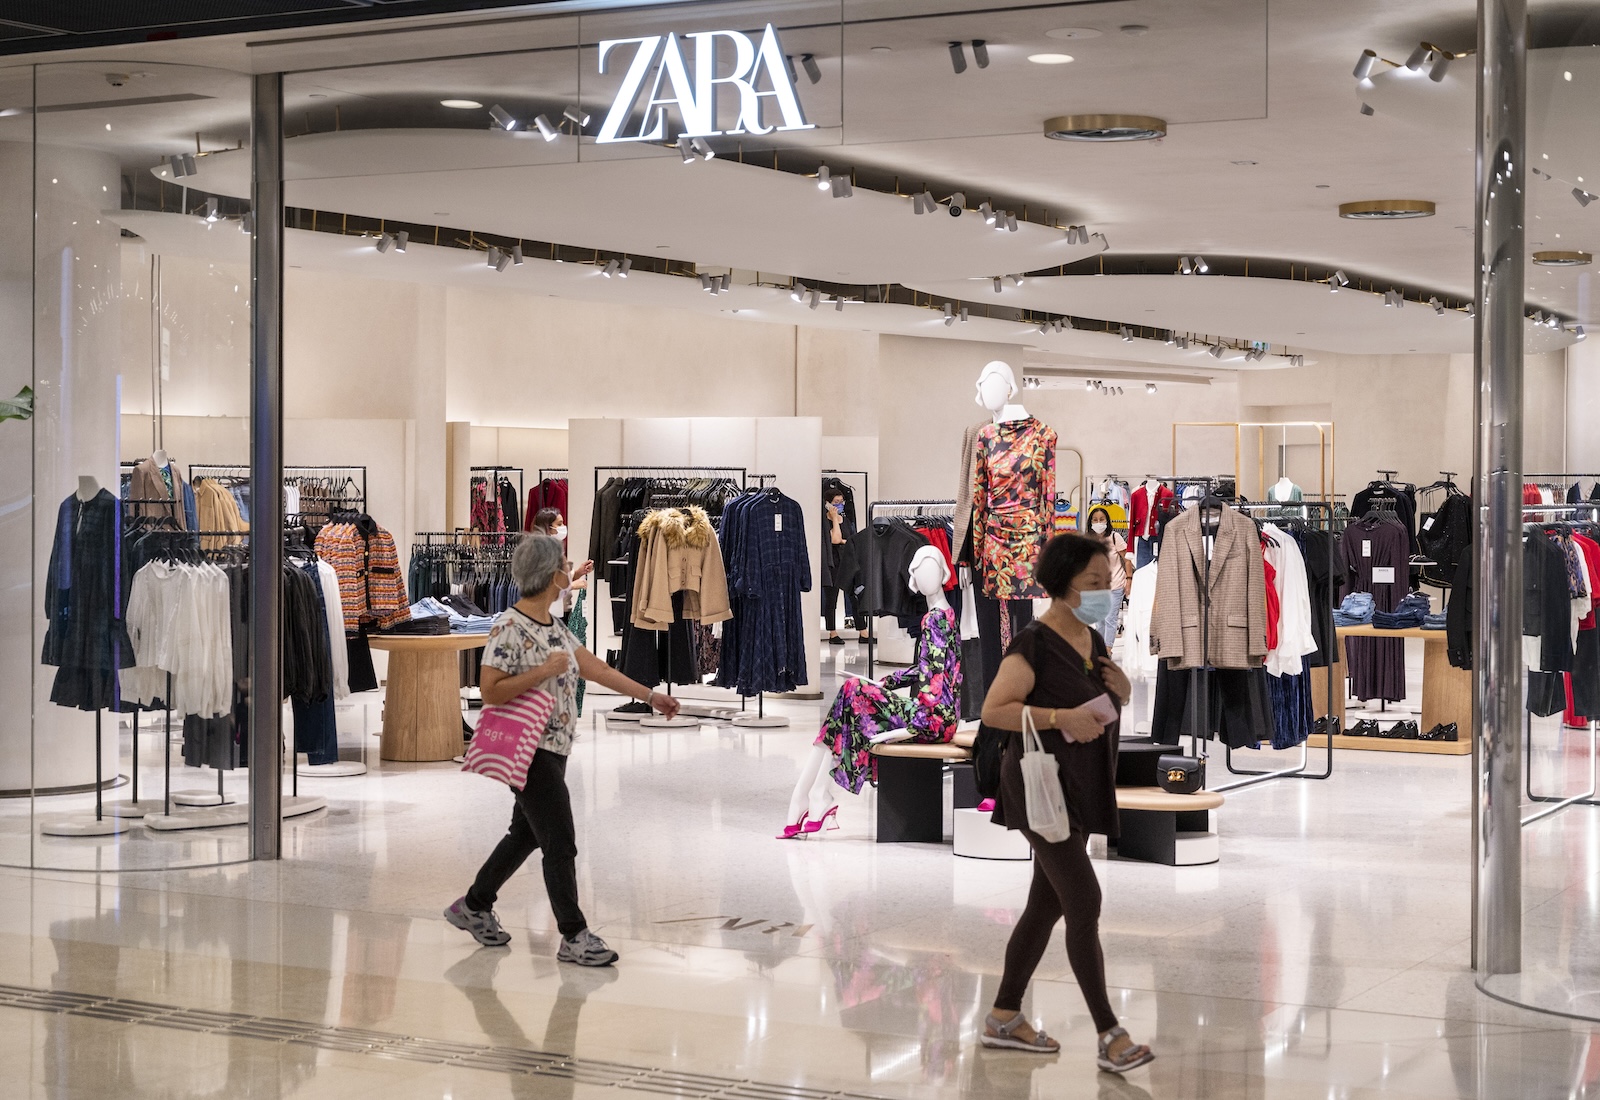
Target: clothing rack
894, 509
1324, 510
1557, 802
547, 471
866, 479
492, 477
727, 472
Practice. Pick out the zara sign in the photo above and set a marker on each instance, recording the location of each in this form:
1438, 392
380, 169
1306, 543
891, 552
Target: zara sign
695, 99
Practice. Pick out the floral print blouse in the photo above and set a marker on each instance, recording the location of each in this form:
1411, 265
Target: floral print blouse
1013, 502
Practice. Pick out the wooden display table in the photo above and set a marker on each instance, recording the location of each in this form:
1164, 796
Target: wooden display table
1446, 696
422, 699
1174, 829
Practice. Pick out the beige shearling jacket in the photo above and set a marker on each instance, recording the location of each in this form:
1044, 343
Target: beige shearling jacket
1238, 620
678, 552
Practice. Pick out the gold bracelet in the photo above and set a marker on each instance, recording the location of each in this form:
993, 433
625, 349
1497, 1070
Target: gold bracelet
1052, 717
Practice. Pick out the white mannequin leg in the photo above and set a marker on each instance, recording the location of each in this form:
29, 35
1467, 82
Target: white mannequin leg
812, 772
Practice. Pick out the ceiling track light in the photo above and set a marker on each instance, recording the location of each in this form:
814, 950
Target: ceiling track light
700, 146
502, 260
823, 178
917, 205
1216, 351
516, 254
1185, 267
841, 186
1016, 280
705, 282
385, 242
1366, 109
1418, 56
624, 267
1441, 64
980, 52
1011, 222
685, 149
987, 212
1088, 385
808, 62
1044, 327
798, 292
997, 284
1077, 234
1393, 297
958, 58
610, 269
577, 116
493, 256
1126, 333
949, 315
247, 226
503, 119
1577, 330
1200, 265
816, 298
965, 314
1438, 306
546, 128
1583, 197
209, 210
838, 303
1297, 360
1364, 64
1149, 387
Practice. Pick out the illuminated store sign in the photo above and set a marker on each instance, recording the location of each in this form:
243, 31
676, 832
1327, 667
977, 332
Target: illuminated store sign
695, 100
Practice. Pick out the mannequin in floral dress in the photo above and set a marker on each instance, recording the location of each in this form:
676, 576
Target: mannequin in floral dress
868, 712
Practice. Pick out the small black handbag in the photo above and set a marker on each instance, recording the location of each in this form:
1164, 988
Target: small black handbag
1181, 774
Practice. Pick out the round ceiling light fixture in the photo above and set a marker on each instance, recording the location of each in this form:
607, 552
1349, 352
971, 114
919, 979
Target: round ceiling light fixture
1104, 128
1386, 209
1069, 33
460, 104
1051, 58
1560, 258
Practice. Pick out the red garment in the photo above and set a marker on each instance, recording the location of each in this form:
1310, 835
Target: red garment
940, 538
1145, 512
549, 493
1274, 608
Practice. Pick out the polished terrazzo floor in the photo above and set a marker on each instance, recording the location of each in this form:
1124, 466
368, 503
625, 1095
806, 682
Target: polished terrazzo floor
1325, 956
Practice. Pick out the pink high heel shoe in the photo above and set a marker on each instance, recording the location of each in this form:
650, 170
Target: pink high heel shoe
828, 820
792, 831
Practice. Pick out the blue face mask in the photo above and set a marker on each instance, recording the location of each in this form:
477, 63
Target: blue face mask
1096, 606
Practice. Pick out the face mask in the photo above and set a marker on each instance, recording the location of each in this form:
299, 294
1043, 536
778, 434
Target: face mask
1098, 528
1095, 606
838, 506
561, 532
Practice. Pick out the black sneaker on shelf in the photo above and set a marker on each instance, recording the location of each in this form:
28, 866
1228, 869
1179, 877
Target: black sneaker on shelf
1442, 732
1364, 728
1404, 731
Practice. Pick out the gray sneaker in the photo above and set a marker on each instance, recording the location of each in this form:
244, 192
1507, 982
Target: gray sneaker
585, 949
484, 926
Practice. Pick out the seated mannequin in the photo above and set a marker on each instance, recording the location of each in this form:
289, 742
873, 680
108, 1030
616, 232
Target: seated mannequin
868, 712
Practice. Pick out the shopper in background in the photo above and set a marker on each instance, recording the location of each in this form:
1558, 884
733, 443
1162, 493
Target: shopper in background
833, 512
548, 521
1117, 554
1058, 669
529, 648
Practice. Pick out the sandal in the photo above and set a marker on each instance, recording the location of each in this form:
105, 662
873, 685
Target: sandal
1131, 1058
999, 1035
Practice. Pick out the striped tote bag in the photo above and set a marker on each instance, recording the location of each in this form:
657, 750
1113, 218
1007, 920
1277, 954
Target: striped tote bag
507, 736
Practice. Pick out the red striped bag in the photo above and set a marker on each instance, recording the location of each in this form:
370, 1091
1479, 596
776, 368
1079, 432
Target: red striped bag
507, 736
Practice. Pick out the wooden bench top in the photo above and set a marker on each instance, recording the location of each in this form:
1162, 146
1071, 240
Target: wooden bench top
945, 751
1156, 799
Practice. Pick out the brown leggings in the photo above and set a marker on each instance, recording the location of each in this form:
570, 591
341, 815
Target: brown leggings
1064, 885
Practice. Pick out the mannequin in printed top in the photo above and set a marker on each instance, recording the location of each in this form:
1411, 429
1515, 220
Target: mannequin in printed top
868, 712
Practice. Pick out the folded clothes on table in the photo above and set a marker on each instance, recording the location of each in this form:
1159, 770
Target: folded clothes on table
1356, 610
1412, 610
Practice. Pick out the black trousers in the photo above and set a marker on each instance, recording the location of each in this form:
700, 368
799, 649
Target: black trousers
542, 819
1021, 612
1064, 886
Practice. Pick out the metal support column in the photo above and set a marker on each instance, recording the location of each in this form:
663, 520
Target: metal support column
266, 466
1497, 474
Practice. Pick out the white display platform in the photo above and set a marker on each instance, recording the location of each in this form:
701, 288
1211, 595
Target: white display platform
136, 809
976, 837
753, 721
657, 722
86, 825
337, 768
198, 798
1194, 849
237, 813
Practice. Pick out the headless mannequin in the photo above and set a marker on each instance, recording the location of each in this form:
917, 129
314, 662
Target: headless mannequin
88, 488
1281, 489
813, 791
161, 459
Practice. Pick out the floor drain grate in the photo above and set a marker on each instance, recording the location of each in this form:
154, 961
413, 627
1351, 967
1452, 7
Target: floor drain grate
509, 1060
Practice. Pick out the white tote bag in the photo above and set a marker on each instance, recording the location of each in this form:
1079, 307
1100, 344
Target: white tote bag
1041, 784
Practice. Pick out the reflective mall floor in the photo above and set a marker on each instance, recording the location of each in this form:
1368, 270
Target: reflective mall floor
1325, 956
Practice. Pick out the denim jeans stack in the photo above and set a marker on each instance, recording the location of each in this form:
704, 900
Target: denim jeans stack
1356, 610
1410, 613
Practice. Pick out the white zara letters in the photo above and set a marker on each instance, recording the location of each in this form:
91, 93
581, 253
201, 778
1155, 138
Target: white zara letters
696, 100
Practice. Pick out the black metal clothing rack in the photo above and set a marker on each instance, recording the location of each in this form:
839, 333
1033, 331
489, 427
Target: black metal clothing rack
660, 471
890, 509
493, 477
1276, 511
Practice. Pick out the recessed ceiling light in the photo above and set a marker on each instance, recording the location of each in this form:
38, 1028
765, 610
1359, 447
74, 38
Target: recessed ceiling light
461, 104
1104, 128
1134, 30
317, 95
883, 49
1386, 209
1562, 259
1566, 76
1243, 163
1050, 58
1323, 186
1073, 32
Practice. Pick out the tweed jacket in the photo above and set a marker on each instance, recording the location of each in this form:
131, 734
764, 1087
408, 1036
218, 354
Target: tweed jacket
1238, 619
963, 516
364, 557
147, 484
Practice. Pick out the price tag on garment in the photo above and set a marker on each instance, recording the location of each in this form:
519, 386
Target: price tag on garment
777, 523
1427, 524
1383, 574
1366, 548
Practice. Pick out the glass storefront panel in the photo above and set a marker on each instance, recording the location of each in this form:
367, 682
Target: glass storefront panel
140, 371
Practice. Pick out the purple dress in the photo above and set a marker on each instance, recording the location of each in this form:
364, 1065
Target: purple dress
863, 710
1376, 666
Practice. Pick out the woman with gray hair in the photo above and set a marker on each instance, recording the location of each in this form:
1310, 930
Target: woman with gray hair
529, 648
